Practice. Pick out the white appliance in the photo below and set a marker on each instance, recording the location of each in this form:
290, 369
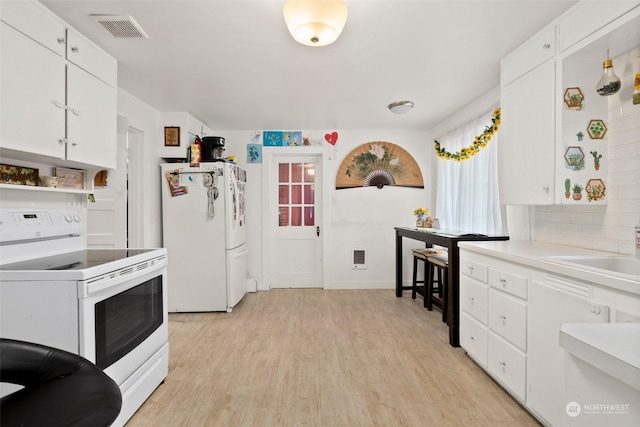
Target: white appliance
107, 305
203, 217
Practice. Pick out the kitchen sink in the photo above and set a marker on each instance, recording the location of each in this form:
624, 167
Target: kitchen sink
614, 264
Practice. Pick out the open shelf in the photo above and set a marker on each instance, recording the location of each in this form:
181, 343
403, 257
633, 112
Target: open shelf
43, 189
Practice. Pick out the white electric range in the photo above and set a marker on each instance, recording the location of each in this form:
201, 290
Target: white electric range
108, 305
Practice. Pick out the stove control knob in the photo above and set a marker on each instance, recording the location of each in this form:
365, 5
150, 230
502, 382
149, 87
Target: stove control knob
68, 218
77, 218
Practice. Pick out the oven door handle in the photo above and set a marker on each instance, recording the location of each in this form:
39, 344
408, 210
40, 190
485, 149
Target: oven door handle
115, 279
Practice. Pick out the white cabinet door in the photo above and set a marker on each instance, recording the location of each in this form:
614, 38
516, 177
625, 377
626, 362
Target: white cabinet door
91, 119
527, 142
31, 81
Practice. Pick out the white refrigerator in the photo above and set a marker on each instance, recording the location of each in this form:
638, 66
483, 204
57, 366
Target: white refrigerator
203, 219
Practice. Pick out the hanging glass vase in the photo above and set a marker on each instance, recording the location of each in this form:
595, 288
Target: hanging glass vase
609, 83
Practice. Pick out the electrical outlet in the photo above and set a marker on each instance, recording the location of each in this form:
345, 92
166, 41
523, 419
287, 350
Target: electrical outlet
74, 202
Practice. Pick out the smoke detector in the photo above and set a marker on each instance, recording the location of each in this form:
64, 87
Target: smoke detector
120, 26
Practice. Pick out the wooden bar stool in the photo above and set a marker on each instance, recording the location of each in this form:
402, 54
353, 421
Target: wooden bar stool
418, 256
438, 296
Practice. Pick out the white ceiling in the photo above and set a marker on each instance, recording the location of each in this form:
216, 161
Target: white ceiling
234, 66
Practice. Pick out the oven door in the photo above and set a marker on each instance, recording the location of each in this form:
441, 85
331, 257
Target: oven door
123, 319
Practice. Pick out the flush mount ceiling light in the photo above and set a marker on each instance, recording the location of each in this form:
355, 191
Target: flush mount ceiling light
315, 22
400, 107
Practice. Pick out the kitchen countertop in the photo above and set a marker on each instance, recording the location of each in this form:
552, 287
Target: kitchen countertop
538, 255
607, 346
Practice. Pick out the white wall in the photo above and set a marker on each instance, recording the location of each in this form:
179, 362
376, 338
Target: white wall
608, 228
146, 120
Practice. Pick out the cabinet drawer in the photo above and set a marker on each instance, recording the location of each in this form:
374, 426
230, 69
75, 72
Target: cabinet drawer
473, 338
36, 22
507, 364
529, 55
507, 282
588, 17
508, 318
90, 58
473, 269
473, 298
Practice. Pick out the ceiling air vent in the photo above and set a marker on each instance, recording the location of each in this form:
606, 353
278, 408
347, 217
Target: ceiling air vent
122, 27
359, 261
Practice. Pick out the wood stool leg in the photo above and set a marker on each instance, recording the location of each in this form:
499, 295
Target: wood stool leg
445, 289
428, 285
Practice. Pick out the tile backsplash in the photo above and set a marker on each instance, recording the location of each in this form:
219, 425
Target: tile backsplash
608, 227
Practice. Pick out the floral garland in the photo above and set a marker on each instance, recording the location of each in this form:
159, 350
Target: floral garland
479, 142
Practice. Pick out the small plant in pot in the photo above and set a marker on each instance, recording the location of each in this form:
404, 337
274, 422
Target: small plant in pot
567, 188
596, 159
577, 192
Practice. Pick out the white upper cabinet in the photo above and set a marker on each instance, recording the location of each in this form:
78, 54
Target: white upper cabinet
587, 17
58, 91
538, 131
32, 96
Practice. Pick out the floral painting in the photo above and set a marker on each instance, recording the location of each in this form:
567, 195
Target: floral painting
378, 164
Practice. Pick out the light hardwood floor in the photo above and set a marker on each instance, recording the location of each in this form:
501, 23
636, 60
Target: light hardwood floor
323, 358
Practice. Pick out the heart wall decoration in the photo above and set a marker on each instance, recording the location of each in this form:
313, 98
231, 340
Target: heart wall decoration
331, 138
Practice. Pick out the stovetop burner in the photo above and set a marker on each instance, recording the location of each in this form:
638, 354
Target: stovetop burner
78, 260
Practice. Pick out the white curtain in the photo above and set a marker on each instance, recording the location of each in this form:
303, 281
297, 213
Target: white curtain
468, 195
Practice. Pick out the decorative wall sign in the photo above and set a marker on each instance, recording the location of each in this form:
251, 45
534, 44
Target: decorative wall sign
292, 139
171, 136
595, 189
596, 129
331, 138
574, 158
254, 153
20, 175
378, 164
70, 178
272, 139
573, 98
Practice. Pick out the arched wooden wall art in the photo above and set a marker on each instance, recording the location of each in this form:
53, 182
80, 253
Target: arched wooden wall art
377, 164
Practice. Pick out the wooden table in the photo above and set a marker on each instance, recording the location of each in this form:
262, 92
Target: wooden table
449, 240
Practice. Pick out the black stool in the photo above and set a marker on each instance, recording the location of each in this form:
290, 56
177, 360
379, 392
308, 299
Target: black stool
60, 388
418, 256
438, 296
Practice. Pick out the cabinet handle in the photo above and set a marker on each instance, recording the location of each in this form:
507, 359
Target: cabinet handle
74, 111
503, 282
503, 365
62, 141
472, 338
546, 46
58, 104
74, 144
471, 299
75, 49
546, 189
470, 270
61, 40
503, 318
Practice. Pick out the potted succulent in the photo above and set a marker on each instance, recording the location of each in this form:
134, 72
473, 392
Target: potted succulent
596, 159
567, 188
576, 161
580, 135
577, 191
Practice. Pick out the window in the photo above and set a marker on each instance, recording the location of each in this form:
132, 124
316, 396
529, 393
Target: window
296, 194
468, 198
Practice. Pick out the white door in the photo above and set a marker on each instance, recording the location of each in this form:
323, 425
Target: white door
107, 216
294, 257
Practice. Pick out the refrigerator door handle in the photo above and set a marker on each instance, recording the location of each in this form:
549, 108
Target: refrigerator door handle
318, 230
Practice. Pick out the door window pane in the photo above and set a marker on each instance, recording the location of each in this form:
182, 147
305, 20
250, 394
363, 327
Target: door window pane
296, 216
283, 172
309, 172
296, 194
283, 197
309, 215
309, 195
283, 216
296, 172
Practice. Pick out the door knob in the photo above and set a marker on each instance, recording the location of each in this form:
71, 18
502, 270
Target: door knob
318, 230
